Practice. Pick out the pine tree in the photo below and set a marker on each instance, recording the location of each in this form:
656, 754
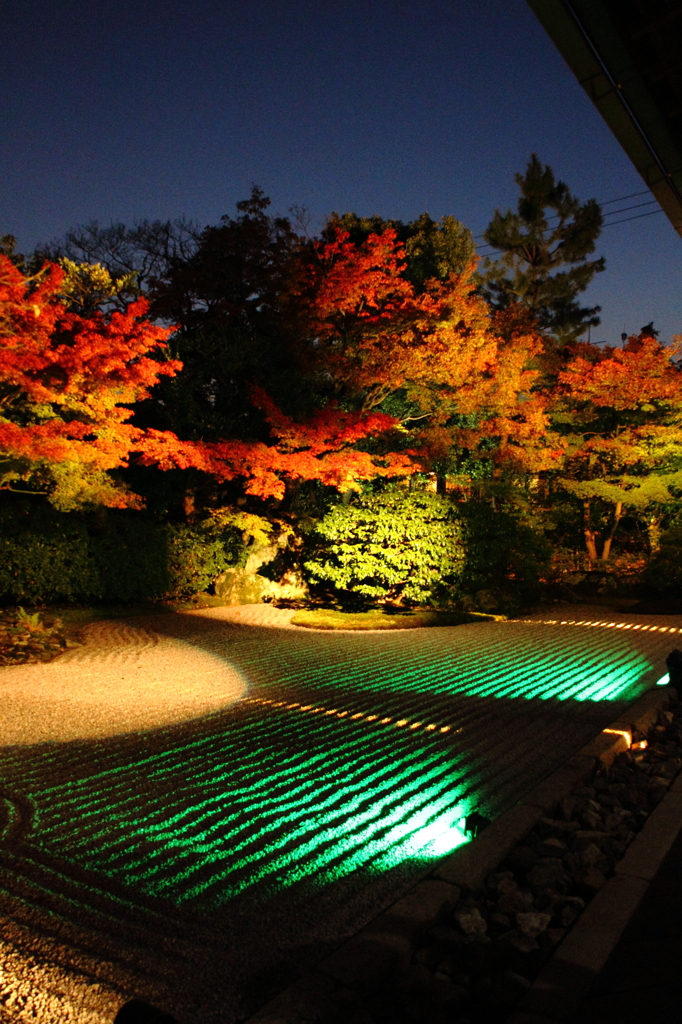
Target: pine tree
544, 248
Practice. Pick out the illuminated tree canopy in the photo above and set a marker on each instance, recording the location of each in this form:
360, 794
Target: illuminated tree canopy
249, 369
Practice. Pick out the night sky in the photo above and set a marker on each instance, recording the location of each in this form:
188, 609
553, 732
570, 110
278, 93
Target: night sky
129, 110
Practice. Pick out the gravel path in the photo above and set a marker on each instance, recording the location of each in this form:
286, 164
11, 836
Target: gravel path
198, 806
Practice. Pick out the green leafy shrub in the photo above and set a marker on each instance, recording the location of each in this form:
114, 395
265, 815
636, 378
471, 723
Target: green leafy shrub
47, 560
507, 557
196, 555
48, 557
395, 546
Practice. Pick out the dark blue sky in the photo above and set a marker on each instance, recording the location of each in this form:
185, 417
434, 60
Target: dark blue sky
121, 110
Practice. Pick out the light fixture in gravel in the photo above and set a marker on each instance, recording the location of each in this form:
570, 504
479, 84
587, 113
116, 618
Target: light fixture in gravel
674, 665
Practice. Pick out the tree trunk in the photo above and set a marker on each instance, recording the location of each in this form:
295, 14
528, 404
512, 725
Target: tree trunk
654, 533
590, 539
441, 484
618, 515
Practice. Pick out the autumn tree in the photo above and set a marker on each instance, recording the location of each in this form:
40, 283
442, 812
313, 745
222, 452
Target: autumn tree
620, 413
334, 359
232, 331
66, 384
433, 357
544, 247
433, 250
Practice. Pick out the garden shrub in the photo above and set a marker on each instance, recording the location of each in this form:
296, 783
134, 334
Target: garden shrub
196, 555
123, 557
390, 547
664, 574
507, 557
47, 561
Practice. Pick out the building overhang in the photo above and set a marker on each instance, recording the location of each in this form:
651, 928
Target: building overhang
627, 56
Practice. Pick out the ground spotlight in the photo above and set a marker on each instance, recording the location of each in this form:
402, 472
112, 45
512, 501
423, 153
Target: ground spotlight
674, 666
475, 822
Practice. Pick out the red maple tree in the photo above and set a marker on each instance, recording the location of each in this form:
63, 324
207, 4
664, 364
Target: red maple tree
66, 385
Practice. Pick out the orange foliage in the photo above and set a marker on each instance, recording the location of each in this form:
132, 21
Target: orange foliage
65, 381
321, 449
375, 334
624, 405
629, 378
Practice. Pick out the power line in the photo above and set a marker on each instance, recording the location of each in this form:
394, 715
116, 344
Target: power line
636, 217
637, 206
609, 202
607, 225
614, 213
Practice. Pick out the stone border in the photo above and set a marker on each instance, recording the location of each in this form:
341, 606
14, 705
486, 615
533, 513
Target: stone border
385, 943
558, 990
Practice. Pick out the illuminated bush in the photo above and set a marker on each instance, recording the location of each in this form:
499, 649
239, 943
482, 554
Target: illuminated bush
395, 547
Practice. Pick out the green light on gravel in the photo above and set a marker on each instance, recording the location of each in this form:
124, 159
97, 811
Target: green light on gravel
274, 798
322, 782
426, 838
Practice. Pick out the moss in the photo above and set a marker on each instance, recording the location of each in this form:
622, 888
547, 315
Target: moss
329, 618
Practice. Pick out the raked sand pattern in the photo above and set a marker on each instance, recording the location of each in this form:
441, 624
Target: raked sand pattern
196, 807
124, 678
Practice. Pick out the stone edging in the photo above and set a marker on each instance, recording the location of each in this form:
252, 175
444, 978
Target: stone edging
386, 941
557, 992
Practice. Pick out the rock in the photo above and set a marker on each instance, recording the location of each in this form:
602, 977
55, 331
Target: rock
470, 921
443, 936
546, 899
551, 847
656, 791
591, 878
589, 855
507, 884
568, 915
591, 819
499, 920
532, 923
550, 938
247, 586
458, 993
463, 980
514, 902
547, 872
569, 807
413, 979
588, 838
574, 901
553, 827
524, 943
493, 881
